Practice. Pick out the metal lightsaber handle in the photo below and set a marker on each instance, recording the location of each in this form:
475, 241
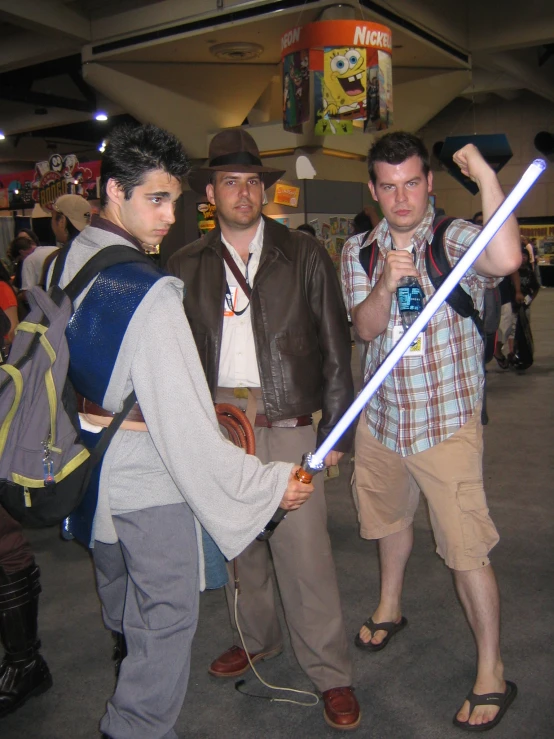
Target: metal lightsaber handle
303, 474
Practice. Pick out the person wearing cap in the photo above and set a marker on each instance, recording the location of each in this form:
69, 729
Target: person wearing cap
281, 355
70, 214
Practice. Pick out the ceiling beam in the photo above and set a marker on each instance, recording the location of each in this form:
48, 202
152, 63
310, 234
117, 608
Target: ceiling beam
34, 72
41, 99
528, 76
510, 25
26, 48
46, 16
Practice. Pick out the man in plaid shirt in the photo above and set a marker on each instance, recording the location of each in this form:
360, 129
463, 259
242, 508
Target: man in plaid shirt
422, 429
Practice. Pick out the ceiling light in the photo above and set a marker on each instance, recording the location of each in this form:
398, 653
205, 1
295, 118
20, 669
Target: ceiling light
102, 147
2, 136
101, 116
237, 51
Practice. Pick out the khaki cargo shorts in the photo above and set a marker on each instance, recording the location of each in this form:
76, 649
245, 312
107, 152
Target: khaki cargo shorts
450, 475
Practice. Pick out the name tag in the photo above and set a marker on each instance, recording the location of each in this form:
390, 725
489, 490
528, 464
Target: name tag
417, 349
233, 300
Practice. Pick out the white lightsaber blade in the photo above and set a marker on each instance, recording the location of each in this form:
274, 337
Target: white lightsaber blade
531, 174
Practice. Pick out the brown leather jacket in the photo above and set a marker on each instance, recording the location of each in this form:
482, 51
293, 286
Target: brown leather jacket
298, 316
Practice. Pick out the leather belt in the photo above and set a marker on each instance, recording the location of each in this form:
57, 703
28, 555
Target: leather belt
89, 408
285, 423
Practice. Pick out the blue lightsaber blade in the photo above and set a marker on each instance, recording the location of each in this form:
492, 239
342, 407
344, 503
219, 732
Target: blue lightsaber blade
315, 462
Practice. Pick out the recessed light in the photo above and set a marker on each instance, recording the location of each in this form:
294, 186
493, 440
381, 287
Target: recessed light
2, 136
237, 51
101, 116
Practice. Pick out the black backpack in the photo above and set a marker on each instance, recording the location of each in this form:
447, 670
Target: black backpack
438, 268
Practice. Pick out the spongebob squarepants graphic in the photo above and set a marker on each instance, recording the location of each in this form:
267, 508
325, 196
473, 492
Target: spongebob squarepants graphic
344, 84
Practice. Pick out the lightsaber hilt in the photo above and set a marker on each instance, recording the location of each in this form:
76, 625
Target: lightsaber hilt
303, 474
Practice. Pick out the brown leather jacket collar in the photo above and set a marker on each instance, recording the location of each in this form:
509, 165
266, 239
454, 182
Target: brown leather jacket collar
273, 239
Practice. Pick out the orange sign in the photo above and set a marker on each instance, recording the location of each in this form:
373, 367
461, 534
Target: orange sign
286, 195
337, 33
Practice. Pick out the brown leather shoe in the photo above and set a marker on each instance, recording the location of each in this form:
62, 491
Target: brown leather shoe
234, 661
341, 708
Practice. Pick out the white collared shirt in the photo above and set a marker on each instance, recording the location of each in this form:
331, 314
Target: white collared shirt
238, 365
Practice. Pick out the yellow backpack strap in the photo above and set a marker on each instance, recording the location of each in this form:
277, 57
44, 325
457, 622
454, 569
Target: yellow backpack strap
17, 378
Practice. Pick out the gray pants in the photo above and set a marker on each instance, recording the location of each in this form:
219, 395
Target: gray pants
148, 585
303, 563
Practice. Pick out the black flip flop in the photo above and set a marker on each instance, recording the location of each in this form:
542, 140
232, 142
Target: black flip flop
503, 700
389, 626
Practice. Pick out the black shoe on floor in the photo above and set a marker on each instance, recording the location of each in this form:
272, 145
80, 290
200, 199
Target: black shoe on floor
21, 680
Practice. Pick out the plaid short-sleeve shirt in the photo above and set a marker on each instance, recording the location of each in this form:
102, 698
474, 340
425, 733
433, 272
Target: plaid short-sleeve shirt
424, 400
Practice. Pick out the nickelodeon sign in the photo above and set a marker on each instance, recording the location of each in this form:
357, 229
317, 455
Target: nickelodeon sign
325, 34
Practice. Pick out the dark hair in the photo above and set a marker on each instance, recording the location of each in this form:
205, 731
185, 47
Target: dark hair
133, 151
72, 231
362, 223
307, 228
31, 234
395, 148
19, 244
477, 215
4, 274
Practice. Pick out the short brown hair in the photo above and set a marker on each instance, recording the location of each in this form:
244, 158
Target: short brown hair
395, 148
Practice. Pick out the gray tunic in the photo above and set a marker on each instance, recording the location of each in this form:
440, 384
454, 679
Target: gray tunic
183, 455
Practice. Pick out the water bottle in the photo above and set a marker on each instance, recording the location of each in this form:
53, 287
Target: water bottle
410, 300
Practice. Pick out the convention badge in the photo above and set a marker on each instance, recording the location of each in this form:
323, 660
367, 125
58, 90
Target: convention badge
231, 301
417, 349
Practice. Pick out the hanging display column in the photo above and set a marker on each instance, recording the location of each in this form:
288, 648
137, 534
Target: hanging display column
337, 77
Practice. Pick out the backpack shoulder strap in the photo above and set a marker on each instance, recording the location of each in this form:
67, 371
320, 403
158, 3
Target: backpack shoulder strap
107, 257
59, 263
97, 452
436, 259
438, 268
368, 255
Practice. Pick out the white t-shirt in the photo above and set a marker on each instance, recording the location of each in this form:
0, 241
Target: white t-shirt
33, 265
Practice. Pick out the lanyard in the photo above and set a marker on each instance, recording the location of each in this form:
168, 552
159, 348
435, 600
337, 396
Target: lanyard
243, 282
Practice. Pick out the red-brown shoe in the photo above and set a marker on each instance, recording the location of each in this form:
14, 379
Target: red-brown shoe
341, 708
234, 661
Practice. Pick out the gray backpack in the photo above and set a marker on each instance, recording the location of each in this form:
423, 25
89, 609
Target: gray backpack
44, 467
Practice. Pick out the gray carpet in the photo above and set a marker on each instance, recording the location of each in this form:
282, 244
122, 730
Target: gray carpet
412, 688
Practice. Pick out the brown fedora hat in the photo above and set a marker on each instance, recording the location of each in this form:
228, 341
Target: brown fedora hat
232, 150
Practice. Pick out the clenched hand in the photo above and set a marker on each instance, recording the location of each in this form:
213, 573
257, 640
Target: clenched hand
296, 492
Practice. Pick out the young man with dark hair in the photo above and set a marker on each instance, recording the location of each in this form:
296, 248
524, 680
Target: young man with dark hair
265, 308
168, 465
422, 429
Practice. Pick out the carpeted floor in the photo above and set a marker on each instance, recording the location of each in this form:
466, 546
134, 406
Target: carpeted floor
412, 688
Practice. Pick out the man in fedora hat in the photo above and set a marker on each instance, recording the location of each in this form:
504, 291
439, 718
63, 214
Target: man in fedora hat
265, 309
